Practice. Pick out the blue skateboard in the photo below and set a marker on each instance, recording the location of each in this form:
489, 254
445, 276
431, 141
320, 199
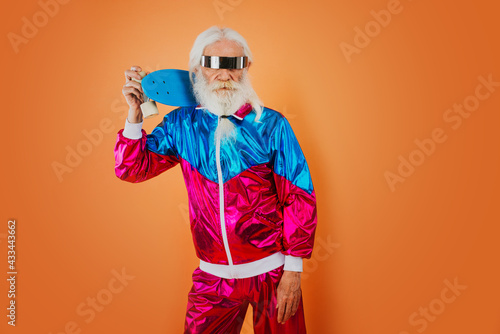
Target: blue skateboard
170, 87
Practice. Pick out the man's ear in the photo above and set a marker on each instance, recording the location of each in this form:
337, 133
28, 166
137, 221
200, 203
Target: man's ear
195, 74
249, 63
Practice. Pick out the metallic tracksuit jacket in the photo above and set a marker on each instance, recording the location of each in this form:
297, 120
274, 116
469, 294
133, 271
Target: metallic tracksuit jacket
252, 205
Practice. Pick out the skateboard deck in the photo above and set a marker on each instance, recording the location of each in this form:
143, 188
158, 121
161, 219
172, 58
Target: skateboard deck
171, 87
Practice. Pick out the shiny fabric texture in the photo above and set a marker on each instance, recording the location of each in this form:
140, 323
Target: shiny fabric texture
269, 199
253, 224
218, 305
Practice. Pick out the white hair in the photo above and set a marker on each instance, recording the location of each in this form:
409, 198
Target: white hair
211, 36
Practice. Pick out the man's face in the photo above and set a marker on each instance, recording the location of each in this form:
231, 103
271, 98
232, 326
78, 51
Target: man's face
223, 48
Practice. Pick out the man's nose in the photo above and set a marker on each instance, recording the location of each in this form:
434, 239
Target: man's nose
224, 74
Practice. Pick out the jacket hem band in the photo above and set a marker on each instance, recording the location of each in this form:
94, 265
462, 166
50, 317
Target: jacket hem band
244, 270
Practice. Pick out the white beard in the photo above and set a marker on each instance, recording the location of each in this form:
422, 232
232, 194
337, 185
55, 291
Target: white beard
224, 102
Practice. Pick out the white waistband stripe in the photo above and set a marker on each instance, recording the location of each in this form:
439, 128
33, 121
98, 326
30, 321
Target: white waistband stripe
246, 269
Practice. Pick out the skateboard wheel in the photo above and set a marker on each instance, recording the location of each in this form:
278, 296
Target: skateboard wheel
142, 74
149, 109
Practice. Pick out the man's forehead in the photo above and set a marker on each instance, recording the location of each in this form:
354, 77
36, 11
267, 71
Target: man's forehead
224, 48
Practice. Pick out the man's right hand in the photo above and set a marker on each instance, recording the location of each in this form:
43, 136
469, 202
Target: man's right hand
132, 90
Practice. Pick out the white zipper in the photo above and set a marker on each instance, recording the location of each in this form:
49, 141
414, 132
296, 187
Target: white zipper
221, 203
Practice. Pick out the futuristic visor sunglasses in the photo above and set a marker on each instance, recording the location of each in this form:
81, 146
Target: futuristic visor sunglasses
216, 62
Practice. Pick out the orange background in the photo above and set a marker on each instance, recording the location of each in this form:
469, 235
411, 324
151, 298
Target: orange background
380, 255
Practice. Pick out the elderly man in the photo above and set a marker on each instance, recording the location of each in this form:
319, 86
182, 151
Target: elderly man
252, 204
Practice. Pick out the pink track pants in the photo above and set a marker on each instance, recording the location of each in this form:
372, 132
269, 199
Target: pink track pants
219, 305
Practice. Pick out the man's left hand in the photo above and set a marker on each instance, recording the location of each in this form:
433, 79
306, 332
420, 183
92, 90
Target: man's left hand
288, 295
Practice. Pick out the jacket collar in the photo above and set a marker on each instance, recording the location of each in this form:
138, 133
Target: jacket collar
243, 111
240, 113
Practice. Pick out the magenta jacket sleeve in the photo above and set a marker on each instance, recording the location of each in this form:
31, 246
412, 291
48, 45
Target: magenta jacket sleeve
295, 192
140, 159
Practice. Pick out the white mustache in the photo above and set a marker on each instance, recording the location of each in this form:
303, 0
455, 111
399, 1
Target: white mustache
232, 85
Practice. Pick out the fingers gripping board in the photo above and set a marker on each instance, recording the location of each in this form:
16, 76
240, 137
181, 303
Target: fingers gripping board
171, 87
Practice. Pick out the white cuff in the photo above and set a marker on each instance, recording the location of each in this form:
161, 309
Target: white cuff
293, 263
132, 130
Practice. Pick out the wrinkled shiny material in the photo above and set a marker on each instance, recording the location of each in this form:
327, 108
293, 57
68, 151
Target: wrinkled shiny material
218, 305
269, 203
269, 200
